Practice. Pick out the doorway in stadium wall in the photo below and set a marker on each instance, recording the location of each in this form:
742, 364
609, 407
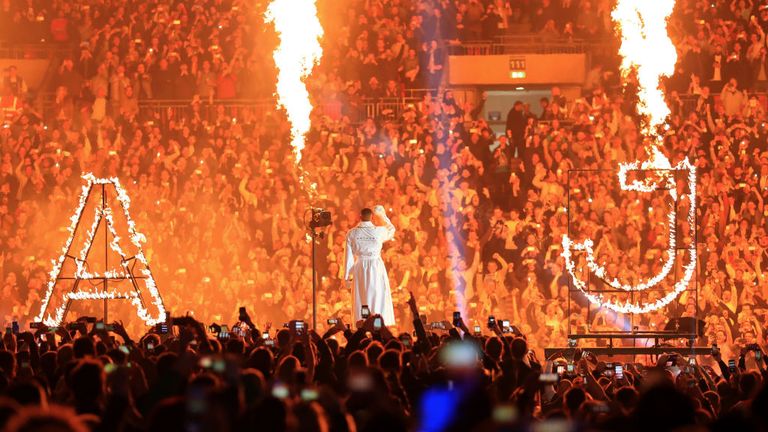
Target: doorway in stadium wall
499, 102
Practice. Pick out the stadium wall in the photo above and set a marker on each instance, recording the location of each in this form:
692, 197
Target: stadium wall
517, 70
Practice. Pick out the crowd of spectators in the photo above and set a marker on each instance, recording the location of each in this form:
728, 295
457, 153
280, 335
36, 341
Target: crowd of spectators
129, 51
719, 41
183, 375
221, 49
480, 217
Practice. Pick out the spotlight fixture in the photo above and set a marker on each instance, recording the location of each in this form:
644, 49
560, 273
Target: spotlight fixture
320, 218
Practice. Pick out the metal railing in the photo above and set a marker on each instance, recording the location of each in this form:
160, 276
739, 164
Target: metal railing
530, 44
506, 44
162, 111
40, 50
389, 108
689, 101
495, 48
412, 94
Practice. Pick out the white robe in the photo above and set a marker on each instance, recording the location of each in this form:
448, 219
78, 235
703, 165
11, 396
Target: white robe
366, 269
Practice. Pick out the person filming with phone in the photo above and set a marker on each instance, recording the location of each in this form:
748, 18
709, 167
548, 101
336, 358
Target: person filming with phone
364, 267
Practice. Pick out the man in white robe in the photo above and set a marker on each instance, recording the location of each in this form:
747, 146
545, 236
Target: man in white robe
365, 268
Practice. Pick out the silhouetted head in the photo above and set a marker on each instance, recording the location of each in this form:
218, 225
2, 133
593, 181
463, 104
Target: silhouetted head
84, 347
86, 381
366, 214
53, 418
573, 399
27, 393
519, 348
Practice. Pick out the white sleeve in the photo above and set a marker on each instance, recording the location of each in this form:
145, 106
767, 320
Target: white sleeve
386, 232
349, 259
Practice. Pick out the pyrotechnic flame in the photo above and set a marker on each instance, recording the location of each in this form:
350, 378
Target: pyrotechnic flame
134, 236
299, 30
646, 48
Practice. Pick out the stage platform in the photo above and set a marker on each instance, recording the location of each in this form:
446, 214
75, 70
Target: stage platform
629, 351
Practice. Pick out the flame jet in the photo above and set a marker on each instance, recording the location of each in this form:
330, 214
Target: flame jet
299, 30
647, 52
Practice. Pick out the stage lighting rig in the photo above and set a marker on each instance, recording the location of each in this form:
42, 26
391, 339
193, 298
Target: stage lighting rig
320, 218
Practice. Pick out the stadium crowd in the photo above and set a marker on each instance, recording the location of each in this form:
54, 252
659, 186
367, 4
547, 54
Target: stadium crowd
479, 217
185, 376
137, 50
222, 49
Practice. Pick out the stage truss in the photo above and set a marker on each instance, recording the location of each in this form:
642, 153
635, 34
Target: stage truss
75, 270
601, 287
